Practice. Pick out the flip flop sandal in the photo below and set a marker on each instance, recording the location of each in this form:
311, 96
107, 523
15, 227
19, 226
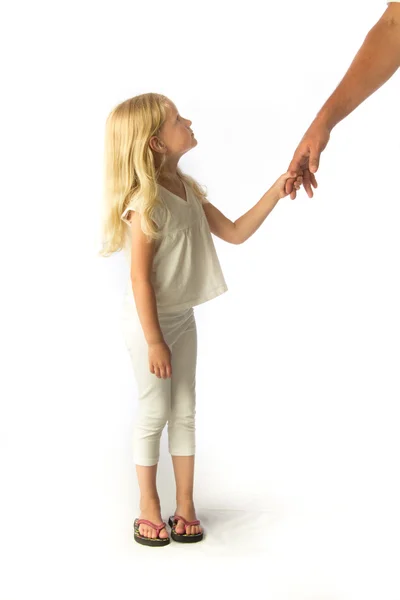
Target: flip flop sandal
146, 541
184, 537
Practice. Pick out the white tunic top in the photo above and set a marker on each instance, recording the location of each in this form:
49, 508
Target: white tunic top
186, 270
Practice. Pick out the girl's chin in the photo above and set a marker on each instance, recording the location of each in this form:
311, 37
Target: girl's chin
193, 145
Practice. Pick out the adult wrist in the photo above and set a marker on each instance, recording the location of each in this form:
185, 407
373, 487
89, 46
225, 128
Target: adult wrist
324, 120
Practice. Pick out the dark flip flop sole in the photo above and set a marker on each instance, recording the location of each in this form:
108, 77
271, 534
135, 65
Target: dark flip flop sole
185, 538
145, 541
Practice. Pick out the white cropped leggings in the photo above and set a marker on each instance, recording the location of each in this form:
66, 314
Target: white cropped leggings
161, 401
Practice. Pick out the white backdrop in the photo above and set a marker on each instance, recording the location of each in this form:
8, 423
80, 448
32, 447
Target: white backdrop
297, 384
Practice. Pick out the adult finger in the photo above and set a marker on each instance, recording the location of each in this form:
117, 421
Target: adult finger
307, 183
294, 169
313, 180
298, 164
289, 186
289, 177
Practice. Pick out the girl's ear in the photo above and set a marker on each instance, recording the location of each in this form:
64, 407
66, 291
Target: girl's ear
157, 145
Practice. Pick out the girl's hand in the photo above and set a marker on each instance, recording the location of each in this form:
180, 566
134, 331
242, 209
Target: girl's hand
160, 360
280, 184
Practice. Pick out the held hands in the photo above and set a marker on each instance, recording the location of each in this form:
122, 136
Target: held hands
306, 157
278, 189
160, 360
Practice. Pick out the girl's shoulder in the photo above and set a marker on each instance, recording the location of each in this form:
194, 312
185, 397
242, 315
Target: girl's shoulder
137, 203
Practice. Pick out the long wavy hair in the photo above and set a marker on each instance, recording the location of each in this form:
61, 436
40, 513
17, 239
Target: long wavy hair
129, 167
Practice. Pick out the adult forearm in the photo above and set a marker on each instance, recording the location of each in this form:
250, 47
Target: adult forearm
146, 306
248, 223
375, 62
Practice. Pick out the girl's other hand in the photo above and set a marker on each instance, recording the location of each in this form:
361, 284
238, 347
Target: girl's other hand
160, 360
280, 184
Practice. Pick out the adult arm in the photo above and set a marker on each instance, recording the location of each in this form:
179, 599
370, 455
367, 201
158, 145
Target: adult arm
375, 62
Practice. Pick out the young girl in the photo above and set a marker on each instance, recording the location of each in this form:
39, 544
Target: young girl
163, 221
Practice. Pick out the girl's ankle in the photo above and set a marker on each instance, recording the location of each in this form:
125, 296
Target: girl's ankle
186, 501
149, 502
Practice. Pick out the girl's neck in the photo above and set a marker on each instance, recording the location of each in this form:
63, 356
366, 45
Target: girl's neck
169, 176
169, 172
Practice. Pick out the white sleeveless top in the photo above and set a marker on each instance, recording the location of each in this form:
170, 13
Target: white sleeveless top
186, 270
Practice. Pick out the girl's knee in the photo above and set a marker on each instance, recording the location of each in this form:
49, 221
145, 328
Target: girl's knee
182, 422
152, 425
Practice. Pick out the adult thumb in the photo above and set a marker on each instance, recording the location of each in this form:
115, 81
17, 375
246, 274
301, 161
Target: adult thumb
314, 160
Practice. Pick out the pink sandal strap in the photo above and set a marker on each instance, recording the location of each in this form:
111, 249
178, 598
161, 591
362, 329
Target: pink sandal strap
187, 523
146, 522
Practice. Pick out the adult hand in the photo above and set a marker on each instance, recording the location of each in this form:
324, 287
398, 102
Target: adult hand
306, 158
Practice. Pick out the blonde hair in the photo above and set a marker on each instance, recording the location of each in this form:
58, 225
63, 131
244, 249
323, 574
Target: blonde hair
129, 168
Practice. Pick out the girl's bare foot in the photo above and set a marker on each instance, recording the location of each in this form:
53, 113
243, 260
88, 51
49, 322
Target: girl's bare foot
186, 510
150, 510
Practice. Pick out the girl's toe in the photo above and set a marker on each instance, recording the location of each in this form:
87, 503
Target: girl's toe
163, 533
179, 528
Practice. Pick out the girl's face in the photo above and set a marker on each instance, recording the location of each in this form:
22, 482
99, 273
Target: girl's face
175, 135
